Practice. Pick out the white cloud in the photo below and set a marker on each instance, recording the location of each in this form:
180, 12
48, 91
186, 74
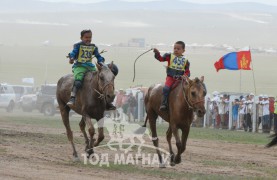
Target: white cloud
248, 18
133, 24
22, 21
39, 23
270, 2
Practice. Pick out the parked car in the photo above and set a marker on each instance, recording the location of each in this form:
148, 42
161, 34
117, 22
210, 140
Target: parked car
46, 100
7, 97
21, 90
28, 102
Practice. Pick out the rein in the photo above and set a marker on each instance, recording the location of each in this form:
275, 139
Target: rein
188, 100
102, 88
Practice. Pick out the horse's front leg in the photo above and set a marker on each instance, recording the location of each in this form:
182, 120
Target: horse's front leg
185, 133
100, 125
91, 131
168, 138
82, 125
175, 132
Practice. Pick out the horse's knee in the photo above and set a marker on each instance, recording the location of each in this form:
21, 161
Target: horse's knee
91, 131
82, 125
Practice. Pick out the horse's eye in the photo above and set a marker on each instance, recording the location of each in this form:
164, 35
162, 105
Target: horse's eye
102, 78
193, 94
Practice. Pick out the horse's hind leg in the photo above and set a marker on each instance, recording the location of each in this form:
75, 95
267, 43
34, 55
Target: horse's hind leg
152, 122
82, 125
65, 117
100, 137
168, 138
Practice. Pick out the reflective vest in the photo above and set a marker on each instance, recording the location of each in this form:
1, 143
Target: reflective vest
177, 63
85, 53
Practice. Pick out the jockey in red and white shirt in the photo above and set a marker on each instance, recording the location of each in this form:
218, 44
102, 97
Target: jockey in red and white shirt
178, 66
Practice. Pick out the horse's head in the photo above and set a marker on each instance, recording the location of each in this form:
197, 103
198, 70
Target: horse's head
195, 95
106, 81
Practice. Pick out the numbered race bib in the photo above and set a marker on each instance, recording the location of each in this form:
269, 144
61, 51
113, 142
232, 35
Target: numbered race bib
178, 63
85, 53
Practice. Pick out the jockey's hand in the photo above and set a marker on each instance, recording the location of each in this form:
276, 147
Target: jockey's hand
71, 61
156, 50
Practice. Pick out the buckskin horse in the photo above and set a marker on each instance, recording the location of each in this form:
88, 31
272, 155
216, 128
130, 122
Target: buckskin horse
91, 99
187, 97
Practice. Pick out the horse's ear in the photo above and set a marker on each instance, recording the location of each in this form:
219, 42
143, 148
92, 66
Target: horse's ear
98, 67
202, 79
111, 65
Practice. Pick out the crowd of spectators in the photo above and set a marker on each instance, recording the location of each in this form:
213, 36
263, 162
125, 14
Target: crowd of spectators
245, 110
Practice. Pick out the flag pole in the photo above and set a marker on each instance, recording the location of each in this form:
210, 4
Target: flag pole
240, 81
253, 74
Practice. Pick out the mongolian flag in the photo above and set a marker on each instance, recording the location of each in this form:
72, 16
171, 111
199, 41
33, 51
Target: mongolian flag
234, 61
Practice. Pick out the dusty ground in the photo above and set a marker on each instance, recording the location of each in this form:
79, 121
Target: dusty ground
38, 152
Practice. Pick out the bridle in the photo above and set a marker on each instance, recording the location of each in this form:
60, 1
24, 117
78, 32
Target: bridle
191, 104
101, 91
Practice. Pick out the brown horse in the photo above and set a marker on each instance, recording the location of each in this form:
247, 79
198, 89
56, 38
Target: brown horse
273, 141
91, 99
186, 98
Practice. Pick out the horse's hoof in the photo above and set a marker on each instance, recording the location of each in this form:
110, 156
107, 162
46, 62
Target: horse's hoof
177, 160
172, 163
89, 152
76, 159
162, 165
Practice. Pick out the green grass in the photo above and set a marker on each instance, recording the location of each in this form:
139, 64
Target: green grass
195, 133
221, 135
272, 171
36, 138
40, 120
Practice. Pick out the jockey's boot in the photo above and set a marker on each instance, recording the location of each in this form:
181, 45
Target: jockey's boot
71, 101
110, 107
164, 104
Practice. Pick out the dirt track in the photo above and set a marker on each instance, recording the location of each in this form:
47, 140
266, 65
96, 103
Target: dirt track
32, 152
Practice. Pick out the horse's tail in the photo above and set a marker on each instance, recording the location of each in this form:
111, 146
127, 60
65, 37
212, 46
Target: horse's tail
145, 122
273, 141
142, 129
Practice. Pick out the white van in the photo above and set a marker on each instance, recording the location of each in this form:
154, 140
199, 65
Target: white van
7, 97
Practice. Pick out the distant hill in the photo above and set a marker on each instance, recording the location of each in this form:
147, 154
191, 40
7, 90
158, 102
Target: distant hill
116, 5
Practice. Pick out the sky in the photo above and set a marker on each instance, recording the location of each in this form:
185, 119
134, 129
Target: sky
269, 2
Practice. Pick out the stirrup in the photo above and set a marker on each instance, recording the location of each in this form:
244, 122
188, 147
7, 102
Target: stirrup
71, 102
163, 107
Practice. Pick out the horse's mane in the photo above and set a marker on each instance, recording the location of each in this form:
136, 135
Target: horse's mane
91, 72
